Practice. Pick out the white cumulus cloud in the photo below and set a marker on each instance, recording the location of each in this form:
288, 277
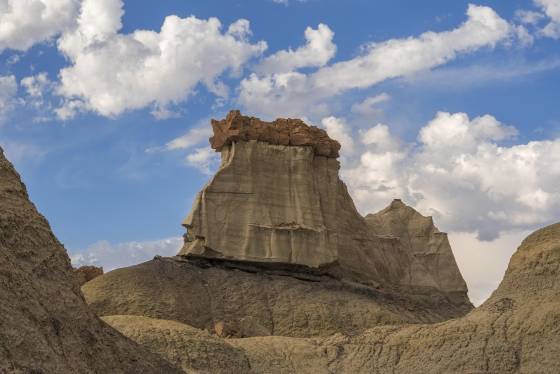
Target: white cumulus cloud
114, 256
318, 50
552, 10
294, 93
111, 72
337, 129
24, 23
461, 171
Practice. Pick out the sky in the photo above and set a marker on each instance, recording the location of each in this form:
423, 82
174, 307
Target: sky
451, 106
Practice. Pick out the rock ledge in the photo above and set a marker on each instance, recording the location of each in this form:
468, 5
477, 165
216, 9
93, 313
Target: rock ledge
291, 132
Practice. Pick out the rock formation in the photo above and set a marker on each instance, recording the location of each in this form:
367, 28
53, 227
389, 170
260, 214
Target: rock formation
45, 325
422, 239
249, 300
282, 202
279, 274
289, 132
275, 246
84, 274
517, 330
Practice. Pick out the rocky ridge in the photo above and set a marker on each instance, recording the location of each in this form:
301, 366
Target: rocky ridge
45, 325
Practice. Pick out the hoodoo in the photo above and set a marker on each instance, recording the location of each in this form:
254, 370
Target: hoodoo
281, 274
277, 198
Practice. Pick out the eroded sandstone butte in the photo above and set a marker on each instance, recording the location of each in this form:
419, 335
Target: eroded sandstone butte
275, 305
276, 247
45, 325
283, 202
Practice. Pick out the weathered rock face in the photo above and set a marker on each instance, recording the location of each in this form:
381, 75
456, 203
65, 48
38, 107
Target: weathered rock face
286, 204
516, 331
429, 246
45, 325
290, 132
241, 300
84, 274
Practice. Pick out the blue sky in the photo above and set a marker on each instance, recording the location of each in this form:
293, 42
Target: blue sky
451, 106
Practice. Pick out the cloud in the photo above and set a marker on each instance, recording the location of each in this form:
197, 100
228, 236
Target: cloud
193, 137
459, 78
37, 85
114, 256
318, 50
338, 130
111, 72
552, 10
529, 17
295, 93
204, 159
368, 107
24, 23
461, 172
8, 92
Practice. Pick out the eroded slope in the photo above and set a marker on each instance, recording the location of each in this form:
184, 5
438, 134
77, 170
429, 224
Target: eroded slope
45, 325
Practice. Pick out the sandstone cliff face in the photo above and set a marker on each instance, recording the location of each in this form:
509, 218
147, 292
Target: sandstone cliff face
429, 247
286, 204
45, 325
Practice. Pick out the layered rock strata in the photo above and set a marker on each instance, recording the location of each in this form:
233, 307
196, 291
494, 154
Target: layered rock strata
245, 300
289, 132
285, 204
421, 238
45, 325
517, 330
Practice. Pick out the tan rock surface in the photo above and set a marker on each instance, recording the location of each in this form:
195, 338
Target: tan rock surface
193, 350
84, 274
516, 331
241, 300
424, 241
286, 204
45, 325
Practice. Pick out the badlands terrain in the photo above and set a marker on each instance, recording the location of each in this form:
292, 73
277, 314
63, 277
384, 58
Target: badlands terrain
279, 273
